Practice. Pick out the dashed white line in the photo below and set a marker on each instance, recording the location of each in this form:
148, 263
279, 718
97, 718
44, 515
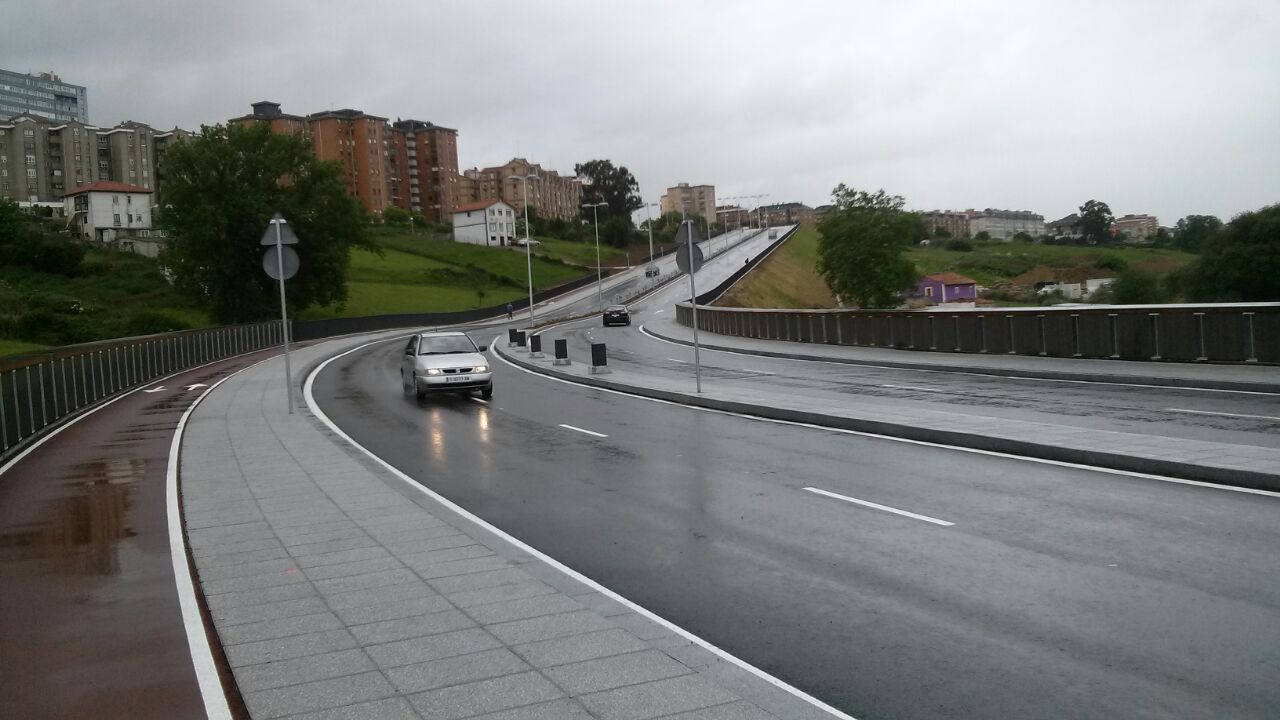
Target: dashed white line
1223, 414
585, 432
914, 387
686, 362
878, 506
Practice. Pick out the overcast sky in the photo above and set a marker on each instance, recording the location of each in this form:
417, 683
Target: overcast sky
1168, 107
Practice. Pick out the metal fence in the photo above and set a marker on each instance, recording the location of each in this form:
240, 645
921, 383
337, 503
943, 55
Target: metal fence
39, 390
1227, 332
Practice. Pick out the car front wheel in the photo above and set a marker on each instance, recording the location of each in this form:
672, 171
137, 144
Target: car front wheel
487, 391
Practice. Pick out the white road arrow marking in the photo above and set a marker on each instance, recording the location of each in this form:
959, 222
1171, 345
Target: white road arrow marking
155, 389
197, 385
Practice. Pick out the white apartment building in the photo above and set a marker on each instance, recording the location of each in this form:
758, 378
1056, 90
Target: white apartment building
115, 214
1004, 224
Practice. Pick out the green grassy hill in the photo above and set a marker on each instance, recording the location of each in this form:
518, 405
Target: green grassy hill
789, 279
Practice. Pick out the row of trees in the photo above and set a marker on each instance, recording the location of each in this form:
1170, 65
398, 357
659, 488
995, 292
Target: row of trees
864, 238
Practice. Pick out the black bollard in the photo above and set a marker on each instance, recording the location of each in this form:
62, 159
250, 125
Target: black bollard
562, 352
511, 337
535, 346
599, 359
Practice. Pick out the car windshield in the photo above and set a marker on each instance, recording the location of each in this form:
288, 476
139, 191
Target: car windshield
616, 308
446, 345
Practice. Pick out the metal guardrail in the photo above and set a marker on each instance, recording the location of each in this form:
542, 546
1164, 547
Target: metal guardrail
40, 390
1225, 332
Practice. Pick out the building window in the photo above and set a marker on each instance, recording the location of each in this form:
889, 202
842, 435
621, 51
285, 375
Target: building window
31, 173
116, 216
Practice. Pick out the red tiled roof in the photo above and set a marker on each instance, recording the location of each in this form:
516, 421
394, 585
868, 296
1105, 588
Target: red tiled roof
950, 278
475, 206
107, 186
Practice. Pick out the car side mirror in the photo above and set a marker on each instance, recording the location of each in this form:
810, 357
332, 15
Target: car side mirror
483, 348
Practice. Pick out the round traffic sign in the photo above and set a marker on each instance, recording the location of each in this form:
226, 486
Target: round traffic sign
272, 266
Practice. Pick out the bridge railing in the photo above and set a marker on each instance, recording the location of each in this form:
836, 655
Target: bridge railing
1222, 332
39, 390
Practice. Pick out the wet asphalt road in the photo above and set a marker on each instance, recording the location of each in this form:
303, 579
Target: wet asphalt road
1056, 592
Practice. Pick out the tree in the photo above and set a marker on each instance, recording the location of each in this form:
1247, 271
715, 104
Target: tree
615, 232
221, 188
941, 232
1192, 232
1021, 236
1136, 288
861, 246
1240, 262
1095, 222
613, 185
396, 216
982, 236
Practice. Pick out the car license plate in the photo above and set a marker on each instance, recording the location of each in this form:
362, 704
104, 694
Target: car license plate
458, 378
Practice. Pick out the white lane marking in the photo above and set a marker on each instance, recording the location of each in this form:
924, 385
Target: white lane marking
925, 443
914, 387
686, 362
756, 372
195, 385
878, 506
722, 654
1224, 414
585, 432
658, 312
215, 702
988, 376
479, 400
155, 389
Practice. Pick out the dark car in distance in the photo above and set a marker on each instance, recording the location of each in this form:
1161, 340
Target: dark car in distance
617, 315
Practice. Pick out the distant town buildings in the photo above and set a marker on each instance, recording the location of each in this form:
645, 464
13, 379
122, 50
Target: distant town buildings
955, 224
1066, 228
692, 199
786, 213
732, 215
1004, 224
1136, 228
41, 160
551, 194
44, 95
485, 222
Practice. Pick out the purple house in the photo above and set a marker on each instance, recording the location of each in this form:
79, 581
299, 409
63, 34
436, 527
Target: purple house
944, 287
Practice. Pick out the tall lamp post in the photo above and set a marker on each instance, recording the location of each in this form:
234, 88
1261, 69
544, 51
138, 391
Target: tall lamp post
595, 214
648, 208
528, 246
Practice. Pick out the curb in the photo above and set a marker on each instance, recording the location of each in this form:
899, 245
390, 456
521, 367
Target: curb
1109, 460
1035, 374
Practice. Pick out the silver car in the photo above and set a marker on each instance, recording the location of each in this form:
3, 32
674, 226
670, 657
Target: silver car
445, 361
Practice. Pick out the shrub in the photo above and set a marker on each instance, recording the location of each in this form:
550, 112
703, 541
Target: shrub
1111, 262
958, 245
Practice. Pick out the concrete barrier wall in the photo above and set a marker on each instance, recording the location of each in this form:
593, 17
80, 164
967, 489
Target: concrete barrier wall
1227, 332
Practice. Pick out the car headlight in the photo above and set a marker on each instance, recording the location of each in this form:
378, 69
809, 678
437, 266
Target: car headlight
480, 368
432, 371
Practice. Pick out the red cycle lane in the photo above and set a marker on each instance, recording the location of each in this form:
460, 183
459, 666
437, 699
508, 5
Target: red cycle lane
90, 622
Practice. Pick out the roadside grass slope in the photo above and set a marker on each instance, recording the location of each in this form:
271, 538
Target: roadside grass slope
786, 279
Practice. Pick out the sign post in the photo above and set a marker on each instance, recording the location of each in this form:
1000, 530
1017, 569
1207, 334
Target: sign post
281, 263
689, 259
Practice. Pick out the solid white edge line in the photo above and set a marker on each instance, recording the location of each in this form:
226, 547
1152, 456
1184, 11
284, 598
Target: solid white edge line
878, 506
1223, 414
215, 701
586, 432
924, 443
748, 353
462, 512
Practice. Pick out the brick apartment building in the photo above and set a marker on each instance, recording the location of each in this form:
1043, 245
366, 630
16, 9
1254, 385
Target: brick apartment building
1137, 228
411, 164
552, 195
42, 160
424, 169
693, 199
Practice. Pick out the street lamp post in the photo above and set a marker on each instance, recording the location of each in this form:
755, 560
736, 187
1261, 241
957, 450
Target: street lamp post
595, 214
528, 246
648, 208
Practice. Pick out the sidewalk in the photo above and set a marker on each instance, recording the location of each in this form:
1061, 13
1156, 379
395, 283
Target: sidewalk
339, 590
1253, 378
1239, 465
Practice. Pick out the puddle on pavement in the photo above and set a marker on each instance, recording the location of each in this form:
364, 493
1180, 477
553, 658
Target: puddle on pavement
81, 531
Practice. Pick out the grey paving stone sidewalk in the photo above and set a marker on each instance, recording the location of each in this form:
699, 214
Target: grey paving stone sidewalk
1244, 465
338, 592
